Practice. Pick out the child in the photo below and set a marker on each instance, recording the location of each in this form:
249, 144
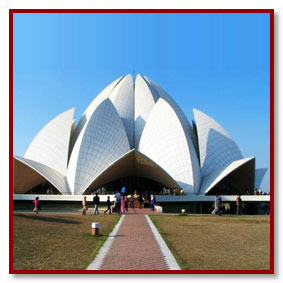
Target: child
36, 205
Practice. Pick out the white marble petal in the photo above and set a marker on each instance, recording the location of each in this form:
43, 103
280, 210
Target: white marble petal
183, 119
101, 142
51, 145
54, 177
122, 98
164, 141
259, 174
216, 147
209, 181
145, 100
91, 108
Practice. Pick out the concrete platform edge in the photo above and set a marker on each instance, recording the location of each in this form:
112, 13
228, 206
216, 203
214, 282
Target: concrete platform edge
169, 258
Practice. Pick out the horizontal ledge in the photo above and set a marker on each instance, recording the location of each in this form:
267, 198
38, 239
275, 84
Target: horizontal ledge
199, 198
159, 198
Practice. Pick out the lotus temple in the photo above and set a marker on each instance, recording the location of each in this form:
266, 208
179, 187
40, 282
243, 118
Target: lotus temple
133, 134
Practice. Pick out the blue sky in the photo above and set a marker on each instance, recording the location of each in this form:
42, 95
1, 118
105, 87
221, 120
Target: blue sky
217, 63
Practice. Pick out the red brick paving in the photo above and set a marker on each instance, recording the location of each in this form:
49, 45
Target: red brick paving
140, 211
134, 247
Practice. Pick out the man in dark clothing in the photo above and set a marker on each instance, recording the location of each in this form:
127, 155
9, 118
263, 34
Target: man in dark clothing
239, 205
108, 206
96, 203
140, 200
219, 205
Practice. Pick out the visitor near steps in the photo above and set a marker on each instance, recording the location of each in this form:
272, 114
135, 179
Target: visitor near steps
36, 205
218, 202
96, 203
108, 206
152, 202
117, 202
239, 205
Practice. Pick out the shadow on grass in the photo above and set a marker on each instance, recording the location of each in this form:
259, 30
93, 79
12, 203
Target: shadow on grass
47, 219
116, 236
89, 235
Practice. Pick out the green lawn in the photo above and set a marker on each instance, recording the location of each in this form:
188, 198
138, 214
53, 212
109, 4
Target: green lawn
50, 241
217, 243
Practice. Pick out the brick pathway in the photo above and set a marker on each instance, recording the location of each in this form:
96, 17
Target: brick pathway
140, 211
134, 247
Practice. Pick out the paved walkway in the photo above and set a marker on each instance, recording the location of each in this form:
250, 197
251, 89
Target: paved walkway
140, 211
134, 245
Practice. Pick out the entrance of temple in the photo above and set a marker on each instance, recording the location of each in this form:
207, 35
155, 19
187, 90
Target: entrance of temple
44, 188
133, 185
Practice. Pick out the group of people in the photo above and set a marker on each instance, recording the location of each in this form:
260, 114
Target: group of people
120, 205
218, 205
122, 202
146, 201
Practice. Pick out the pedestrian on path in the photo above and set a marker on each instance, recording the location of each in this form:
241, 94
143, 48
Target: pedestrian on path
108, 205
123, 204
126, 203
96, 203
113, 207
152, 202
239, 205
218, 202
117, 202
140, 199
132, 201
36, 205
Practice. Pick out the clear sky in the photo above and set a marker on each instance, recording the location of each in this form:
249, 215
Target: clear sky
217, 63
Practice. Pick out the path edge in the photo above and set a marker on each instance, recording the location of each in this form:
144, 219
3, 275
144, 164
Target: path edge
169, 258
98, 260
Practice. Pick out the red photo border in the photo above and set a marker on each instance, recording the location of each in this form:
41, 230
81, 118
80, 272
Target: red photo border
269, 11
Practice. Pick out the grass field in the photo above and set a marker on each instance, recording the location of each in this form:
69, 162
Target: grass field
217, 243
57, 241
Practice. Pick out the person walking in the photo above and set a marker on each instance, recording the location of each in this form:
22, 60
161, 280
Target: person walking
96, 203
152, 202
118, 202
113, 207
140, 200
132, 201
123, 204
36, 205
219, 205
239, 205
217, 209
108, 205
126, 203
